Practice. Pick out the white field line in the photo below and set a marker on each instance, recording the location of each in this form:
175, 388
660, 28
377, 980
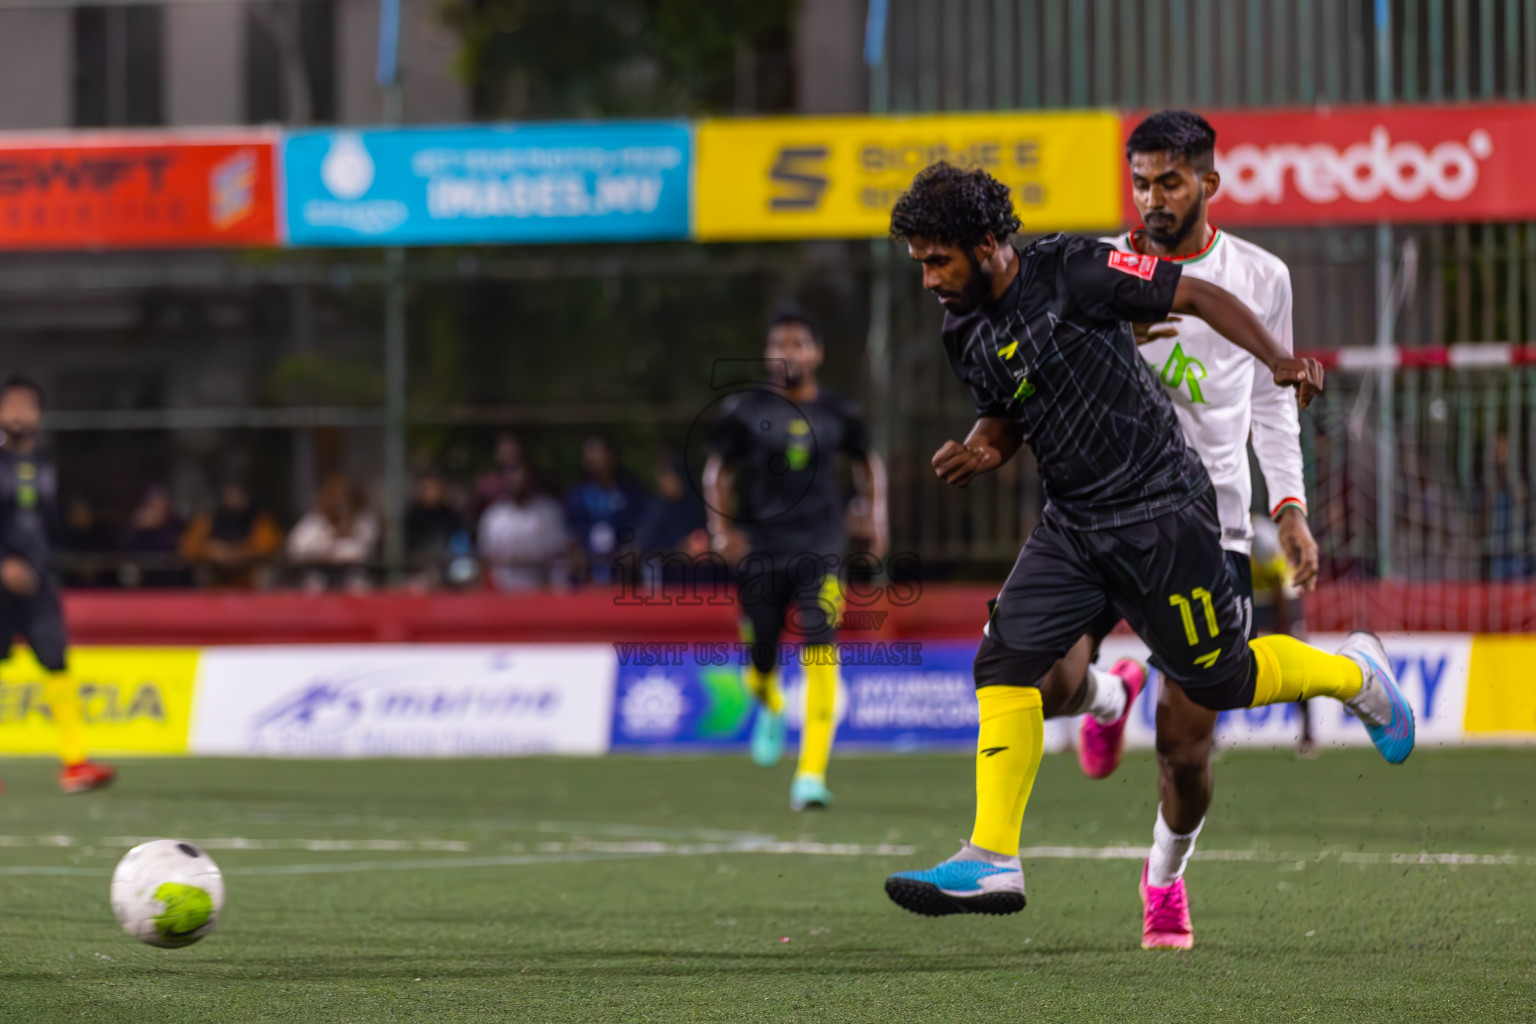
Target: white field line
1283, 857
550, 853
312, 845
590, 850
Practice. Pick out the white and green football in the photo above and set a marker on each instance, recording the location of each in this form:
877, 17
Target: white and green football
167, 892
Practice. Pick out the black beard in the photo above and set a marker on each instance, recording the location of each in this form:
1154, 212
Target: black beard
977, 289
1174, 238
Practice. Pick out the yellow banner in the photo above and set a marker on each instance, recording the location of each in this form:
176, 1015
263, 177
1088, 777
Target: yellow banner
134, 700
1500, 697
837, 177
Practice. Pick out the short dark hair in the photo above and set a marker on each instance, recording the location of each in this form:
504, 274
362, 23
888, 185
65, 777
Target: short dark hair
21, 382
955, 206
796, 315
1182, 132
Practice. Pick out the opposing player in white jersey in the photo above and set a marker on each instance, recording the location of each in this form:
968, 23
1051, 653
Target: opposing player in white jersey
1221, 402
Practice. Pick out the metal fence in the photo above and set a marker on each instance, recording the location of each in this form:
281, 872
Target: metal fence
1454, 283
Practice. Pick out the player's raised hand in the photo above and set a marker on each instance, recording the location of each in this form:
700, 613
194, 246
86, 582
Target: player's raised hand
1305, 375
958, 464
1156, 331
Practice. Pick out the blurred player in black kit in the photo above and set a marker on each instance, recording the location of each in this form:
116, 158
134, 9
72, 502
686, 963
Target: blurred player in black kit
29, 593
774, 463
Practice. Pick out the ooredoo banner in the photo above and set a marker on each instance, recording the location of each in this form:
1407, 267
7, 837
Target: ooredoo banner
120, 191
1353, 165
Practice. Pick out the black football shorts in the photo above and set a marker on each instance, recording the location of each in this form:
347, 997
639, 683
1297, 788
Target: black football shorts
1168, 578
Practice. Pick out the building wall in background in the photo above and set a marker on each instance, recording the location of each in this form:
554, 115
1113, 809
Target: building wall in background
203, 65
36, 63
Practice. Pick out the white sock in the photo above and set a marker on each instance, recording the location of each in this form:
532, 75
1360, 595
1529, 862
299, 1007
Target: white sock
1107, 700
1170, 852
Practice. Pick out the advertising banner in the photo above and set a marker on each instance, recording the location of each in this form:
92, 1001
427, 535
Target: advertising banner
527, 183
1501, 702
1360, 165
1431, 668
141, 191
837, 177
380, 700
890, 695
133, 700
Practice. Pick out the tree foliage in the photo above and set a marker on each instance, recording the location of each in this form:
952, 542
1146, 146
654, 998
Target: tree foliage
624, 58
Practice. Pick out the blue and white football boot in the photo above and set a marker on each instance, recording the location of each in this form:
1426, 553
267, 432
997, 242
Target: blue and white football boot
768, 731
809, 793
973, 881
1380, 704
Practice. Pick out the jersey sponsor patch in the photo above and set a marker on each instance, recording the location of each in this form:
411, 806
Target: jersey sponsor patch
1135, 264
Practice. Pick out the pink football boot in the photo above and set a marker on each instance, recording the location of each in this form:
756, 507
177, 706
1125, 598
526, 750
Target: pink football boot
1099, 746
1165, 920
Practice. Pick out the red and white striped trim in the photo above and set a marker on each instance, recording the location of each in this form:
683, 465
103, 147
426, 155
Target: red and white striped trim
1471, 356
1286, 503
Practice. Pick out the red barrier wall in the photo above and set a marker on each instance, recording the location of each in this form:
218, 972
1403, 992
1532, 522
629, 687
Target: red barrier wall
195, 618
948, 611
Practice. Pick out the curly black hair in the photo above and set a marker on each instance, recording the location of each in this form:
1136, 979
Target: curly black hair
954, 206
1176, 131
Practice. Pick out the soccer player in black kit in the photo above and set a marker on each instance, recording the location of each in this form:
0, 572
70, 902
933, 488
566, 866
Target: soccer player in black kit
29, 594
1042, 337
776, 447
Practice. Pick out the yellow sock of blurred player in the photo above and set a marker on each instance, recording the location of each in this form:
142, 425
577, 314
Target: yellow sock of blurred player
64, 703
1008, 749
820, 696
1290, 670
765, 687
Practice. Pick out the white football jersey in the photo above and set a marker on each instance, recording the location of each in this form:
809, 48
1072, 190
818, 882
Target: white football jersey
1222, 393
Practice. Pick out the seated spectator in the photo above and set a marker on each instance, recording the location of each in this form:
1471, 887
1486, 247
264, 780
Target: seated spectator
335, 540
492, 485
153, 534
602, 512
85, 544
434, 529
521, 535
673, 522
229, 545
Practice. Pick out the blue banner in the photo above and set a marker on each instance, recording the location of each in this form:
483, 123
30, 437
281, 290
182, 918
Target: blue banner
514, 184
892, 696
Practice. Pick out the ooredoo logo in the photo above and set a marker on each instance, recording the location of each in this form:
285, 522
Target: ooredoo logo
1362, 173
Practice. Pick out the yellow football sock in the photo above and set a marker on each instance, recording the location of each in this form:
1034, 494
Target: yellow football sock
1008, 749
765, 687
820, 695
64, 703
1290, 670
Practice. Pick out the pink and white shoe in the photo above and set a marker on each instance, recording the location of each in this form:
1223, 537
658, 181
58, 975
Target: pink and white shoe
1099, 746
1165, 920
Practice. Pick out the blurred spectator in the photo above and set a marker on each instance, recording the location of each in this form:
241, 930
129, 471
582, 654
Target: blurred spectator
521, 535
1509, 559
229, 545
335, 540
84, 542
154, 535
673, 521
602, 512
492, 485
434, 530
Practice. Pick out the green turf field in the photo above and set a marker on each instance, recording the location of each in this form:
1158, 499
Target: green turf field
664, 890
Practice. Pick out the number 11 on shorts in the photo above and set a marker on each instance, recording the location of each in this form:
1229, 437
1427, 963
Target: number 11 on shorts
1186, 607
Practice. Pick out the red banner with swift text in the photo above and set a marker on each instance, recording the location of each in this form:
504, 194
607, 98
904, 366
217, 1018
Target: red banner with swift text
1357, 165
137, 191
